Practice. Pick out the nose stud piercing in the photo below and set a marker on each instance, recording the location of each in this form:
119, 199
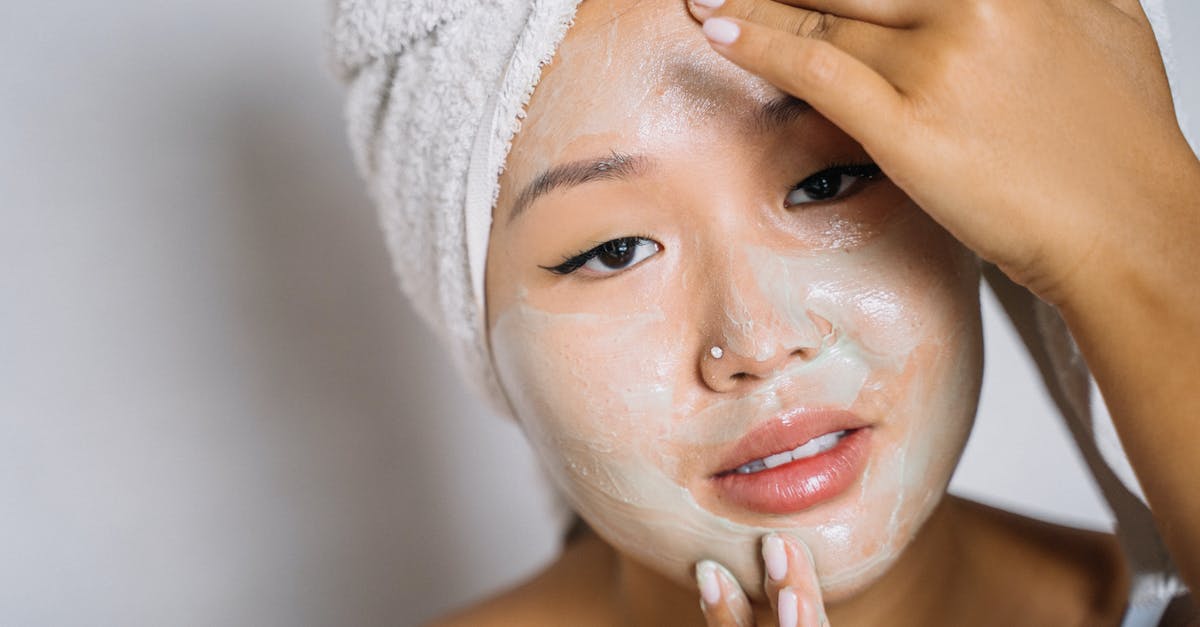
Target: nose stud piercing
716, 352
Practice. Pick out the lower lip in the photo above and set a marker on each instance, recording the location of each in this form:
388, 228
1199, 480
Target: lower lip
800, 484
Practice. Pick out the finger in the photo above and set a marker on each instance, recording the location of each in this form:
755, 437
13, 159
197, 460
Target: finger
842, 88
870, 42
791, 583
722, 600
768, 13
897, 13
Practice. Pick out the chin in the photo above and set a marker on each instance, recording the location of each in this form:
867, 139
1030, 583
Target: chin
857, 578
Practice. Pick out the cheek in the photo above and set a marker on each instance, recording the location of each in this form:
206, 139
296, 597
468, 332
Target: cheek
913, 283
931, 313
587, 386
594, 394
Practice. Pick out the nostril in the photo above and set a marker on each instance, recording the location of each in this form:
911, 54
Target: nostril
806, 354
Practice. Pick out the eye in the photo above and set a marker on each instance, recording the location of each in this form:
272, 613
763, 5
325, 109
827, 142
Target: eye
830, 183
610, 257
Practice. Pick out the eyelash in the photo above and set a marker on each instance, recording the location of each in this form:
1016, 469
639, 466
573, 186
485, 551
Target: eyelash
572, 263
864, 168
865, 171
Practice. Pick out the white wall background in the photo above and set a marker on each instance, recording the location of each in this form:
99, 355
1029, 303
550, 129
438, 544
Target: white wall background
215, 409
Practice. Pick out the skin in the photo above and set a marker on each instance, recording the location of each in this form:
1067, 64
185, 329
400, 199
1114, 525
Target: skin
1108, 200
608, 374
859, 303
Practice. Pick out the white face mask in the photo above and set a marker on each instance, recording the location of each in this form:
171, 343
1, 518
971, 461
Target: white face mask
865, 307
612, 405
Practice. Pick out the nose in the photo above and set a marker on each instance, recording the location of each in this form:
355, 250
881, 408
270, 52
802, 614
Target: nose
727, 368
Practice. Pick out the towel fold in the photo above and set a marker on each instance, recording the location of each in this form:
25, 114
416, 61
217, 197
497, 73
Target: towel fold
437, 89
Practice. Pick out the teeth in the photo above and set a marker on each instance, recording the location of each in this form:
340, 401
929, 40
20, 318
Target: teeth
812, 447
778, 459
753, 466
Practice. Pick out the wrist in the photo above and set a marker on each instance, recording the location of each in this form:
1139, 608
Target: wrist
1145, 262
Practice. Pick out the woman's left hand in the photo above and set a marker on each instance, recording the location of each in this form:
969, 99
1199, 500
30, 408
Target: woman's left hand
1040, 133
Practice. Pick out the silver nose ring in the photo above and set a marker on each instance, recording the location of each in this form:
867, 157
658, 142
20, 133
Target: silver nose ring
716, 352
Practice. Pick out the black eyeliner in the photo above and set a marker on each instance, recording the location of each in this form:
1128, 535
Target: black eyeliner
869, 171
574, 262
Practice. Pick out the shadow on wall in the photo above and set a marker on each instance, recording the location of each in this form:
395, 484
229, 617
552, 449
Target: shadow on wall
376, 456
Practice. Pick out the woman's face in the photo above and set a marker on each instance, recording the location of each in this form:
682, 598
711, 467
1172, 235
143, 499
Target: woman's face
847, 321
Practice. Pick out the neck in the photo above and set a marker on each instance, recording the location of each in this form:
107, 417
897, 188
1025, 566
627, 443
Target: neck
911, 592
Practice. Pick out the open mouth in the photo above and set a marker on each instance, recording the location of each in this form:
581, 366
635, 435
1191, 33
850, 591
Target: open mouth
811, 448
768, 472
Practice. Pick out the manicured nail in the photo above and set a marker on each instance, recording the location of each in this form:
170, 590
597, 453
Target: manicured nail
775, 557
720, 30
709, 4
706, 579
789, 608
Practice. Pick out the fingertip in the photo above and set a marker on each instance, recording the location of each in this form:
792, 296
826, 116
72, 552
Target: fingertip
722, 600
710, 587
721, 31
702, 9
789, 608
774, 556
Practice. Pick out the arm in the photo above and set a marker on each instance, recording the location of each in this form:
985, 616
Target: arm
1137, 323
1043, 136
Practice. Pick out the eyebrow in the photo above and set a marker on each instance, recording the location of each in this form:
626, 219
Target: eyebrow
780, 112
616, 166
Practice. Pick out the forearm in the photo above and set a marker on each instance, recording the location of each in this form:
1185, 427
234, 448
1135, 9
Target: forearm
1136, 317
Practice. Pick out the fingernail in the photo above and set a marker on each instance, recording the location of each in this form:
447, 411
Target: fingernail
709, 4
720, 30
789, 608
706, 579
775, 557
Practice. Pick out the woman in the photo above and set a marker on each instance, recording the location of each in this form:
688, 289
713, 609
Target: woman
734, 306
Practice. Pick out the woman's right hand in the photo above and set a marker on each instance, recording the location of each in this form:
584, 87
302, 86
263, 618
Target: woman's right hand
790, 585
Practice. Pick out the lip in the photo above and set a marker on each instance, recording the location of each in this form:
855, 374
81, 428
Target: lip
800, 484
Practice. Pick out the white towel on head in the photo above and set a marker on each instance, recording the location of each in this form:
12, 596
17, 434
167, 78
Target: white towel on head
437, 89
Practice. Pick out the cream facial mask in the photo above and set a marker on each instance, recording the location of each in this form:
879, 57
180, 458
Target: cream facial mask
849, 330
612, 405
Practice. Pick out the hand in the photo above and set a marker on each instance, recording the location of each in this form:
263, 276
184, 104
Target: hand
790, 584
1040, 133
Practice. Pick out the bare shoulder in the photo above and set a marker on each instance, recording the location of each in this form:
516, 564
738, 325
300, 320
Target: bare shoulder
575, 589
1077, 575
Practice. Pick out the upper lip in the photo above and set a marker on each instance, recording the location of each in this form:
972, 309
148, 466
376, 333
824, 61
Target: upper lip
785, 432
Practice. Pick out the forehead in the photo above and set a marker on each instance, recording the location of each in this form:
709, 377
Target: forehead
630, 76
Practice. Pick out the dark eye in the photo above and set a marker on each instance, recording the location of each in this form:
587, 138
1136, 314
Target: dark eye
610, 257
830, 183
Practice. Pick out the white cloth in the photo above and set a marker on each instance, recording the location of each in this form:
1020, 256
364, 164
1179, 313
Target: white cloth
437, 90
